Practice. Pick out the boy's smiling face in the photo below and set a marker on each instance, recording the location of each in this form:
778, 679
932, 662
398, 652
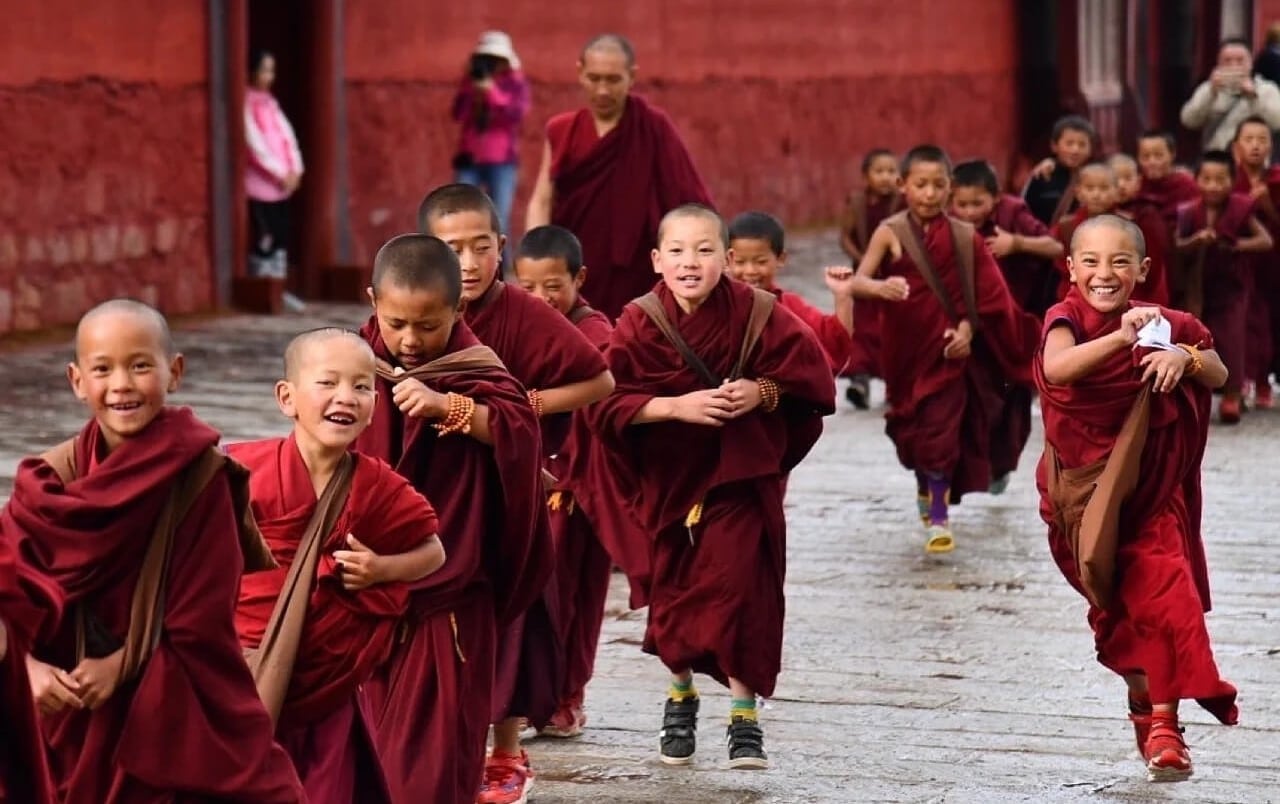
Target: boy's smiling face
691, 258
753, 261
1072, 148
1105, 265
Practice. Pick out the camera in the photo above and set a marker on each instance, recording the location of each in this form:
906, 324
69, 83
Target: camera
483, 66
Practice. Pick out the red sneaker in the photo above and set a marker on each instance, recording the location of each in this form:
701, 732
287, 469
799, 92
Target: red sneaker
507, 780
1168, 759
567, 722
1229, 409
1263, 400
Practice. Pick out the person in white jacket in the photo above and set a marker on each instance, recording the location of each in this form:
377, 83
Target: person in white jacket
1232, 94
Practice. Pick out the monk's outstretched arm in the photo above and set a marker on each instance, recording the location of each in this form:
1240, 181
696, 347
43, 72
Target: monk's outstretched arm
1213, 372
1259, 238
362, 567
1066, 362
540, 200
576, 394
865, 285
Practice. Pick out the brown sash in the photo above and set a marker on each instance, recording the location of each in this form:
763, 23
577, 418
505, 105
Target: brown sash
1087, 501
273, 660
146, 607
1064, 203
911, 236
762, 302
463, 361
577, 314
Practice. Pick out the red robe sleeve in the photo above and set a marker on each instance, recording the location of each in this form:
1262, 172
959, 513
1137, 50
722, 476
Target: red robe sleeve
835, 339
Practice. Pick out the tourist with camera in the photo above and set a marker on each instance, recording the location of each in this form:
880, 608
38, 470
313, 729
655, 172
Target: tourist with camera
1231, 95
490, 105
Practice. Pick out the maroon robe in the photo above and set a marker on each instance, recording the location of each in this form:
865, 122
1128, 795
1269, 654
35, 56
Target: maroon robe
432, 701
1264, 287
612, 191
1031, 279
542, 349
1155, 626
1167, 194
714, 587
865, 357
836, 341
346, 634
1228, 276
965, 419
190, 727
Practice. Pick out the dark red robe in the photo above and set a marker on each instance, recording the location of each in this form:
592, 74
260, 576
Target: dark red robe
612, 191
542, 349
1032, 281
965, 419
836, 341
190, 727
714, 589
1166, 194
865, 358
1228, 276
1153, 289
1264, 281
346, 634
432, 701
1155, 626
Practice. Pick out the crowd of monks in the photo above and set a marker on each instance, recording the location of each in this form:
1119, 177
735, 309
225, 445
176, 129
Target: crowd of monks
376, 606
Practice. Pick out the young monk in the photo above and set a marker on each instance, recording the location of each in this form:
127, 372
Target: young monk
549, 266
703, 445
1164, 186
451, 419
1114, 413
1050, 194
880, 197
143, 688
954, 340
1098, 193
357, 532
562, 371
1021, 244
757, 251
1216, 235
1146, 215
1260, 180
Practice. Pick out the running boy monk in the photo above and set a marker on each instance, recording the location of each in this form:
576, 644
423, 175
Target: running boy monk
757, 250
721, 391
143, 688
1260, 180
1114, 413
562, 371
880, 197
1147, 217
549, 266
954, 340
1216, 236
1050, 194
1164, 186
1019, 241
348, 534
451, 419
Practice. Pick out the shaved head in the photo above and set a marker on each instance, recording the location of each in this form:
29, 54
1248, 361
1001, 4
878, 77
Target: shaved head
1098, 169
695, 211
128, 308
1122, 160
610, 42
1115, 223
306, 345
419, 262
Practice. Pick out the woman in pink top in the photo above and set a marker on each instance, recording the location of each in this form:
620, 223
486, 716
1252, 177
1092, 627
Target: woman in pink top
490, 104
274, 172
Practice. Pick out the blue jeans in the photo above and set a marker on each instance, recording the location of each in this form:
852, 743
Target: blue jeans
499, 181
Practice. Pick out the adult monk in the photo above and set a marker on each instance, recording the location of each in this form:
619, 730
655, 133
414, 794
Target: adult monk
145, 693
349, 534
609, 172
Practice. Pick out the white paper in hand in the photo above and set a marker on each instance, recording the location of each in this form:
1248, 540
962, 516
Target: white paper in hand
1157, 334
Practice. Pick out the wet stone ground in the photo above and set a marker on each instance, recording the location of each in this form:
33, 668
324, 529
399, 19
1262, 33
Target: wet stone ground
906, 678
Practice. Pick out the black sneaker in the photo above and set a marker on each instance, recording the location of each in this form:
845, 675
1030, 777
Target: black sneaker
859, 392
678, 738
746, 745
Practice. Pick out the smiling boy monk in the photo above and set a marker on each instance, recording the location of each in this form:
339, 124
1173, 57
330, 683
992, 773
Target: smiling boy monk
1260, 180
322, 621
139, 520
955, 346
721, 392
1132, 422
562, 371
451, 419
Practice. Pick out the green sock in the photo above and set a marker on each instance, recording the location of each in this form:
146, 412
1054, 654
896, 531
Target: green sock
682, 690
744, 708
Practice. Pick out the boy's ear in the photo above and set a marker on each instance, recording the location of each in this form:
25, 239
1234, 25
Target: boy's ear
782, 258
74, 378
657, 267
580, 279
177, 367
1071, 269
284, 399
1144, 268
372, 299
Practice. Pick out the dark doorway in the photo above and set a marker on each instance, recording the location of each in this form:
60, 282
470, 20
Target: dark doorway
1038, 80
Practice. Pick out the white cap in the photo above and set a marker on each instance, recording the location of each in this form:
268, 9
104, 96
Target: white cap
497, 43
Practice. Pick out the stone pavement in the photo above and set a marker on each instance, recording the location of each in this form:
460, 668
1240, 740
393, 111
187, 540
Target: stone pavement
968, 678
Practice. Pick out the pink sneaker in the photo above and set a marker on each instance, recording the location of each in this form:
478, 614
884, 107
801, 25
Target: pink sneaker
507, 780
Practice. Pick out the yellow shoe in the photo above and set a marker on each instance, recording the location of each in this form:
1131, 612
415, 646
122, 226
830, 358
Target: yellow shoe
938, 539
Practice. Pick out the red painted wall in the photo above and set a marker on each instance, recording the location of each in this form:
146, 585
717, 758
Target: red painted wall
777, 100
104, 163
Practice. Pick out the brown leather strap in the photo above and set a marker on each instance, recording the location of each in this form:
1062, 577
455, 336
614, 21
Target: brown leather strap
652, 307
580, 313
762, 302
273, 661
912, 241
962, 245
1064, 203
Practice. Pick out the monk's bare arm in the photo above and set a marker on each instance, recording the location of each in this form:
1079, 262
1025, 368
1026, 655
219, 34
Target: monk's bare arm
1213, 372
480, 425
415, 564
865, 285
1259, 238
711, 408
576, 394
1045, 246
1067, 362
539, 211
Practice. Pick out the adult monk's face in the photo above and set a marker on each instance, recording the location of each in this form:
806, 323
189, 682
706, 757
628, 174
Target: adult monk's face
415, 323
606, 79
1105, 266
1253, 144
122, 373
330, 395
479, 248
691, 258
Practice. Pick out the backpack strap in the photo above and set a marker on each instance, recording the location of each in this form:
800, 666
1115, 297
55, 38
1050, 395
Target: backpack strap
578, 314
652, 307
962, 246
913, 245
762, 303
